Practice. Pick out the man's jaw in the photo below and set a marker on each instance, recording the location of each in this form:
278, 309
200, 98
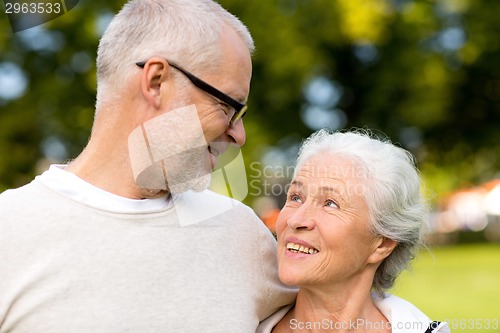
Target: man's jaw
215, 149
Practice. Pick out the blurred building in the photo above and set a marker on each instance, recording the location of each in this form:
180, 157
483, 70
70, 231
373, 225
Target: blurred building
475, 209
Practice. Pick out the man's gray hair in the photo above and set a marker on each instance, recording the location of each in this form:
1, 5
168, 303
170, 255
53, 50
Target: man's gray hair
396, 206
183, 31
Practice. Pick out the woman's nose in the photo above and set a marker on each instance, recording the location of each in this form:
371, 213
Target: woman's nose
302, 219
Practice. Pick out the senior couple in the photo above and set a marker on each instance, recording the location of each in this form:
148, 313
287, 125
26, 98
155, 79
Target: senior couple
126, 238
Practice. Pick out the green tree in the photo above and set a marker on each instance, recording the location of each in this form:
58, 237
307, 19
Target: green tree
426, 73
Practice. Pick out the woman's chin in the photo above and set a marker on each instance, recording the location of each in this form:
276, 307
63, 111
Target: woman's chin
290, 278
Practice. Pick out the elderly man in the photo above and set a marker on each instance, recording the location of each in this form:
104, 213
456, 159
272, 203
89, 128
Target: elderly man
116, 241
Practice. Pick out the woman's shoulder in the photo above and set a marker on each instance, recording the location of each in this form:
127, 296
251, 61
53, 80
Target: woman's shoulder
406, 317
268, 324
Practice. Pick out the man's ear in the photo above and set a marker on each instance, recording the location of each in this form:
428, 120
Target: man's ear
384, 247
155, 73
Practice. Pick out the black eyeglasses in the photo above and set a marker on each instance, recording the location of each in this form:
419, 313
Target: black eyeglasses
240, 109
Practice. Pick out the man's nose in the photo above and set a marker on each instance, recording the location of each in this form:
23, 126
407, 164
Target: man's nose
237, 133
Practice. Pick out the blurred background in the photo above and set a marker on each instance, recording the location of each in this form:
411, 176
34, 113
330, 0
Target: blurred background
424, 73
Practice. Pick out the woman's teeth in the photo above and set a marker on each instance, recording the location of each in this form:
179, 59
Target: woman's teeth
296, 248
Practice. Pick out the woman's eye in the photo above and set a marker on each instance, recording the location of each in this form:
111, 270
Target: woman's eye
295, 198
331, 204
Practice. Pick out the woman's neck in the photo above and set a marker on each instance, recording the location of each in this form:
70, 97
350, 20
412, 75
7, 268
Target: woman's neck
340, 310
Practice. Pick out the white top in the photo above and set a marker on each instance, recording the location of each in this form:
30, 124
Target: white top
403, 317
76, 259
79, 190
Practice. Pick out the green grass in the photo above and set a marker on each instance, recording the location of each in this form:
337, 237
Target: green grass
460, 283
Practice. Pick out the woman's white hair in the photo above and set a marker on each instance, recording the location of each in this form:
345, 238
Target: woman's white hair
183, 31
396, 206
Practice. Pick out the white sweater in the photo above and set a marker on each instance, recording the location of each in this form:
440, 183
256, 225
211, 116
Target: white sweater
202, 263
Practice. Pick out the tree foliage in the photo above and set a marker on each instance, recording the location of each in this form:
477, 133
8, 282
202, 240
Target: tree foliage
426, 73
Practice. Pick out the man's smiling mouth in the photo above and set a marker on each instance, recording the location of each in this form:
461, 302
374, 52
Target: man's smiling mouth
213, 151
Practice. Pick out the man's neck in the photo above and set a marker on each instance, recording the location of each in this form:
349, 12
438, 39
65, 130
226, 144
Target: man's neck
108, 167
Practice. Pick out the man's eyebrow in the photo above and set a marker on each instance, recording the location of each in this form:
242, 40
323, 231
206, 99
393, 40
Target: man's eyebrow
239, 98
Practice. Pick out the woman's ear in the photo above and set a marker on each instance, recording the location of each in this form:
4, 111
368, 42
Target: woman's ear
155, 73
384, 247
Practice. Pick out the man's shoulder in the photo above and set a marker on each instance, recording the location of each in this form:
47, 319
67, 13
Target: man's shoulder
22, 204
11, 196
211, 200
194, 207
29, 200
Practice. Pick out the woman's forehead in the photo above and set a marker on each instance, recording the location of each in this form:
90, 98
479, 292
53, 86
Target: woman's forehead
334, 166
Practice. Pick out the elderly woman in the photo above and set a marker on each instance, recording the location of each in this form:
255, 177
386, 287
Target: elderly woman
353, 219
